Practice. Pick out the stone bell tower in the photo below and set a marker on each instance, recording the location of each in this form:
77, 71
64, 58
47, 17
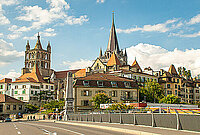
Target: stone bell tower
40, 56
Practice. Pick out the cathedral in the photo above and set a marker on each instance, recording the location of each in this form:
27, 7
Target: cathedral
39, 56
113, 47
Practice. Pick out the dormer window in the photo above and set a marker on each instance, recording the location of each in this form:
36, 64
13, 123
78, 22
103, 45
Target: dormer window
114, 84
127, 84
86, 83
100, 83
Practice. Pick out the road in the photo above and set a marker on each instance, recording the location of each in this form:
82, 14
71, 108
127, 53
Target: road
81, 128
42, 128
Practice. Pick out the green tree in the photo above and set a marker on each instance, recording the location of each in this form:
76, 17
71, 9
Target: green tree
100, 98
152, 90
170, 99
31, 108
51, 106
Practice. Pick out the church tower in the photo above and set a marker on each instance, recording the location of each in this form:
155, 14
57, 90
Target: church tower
39, 56
113, 47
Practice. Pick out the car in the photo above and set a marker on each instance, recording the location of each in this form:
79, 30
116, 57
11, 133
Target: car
8, 120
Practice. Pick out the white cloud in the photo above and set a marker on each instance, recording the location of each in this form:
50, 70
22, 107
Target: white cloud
158, 57
78, 64
194, 20
11, 74
100, 1
1, 34
8, 54
186, 35
46, 33
162, 27
13, 36
39, 17
49, 30
8, 2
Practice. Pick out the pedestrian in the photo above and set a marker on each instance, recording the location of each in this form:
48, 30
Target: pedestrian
28, 118
43, 117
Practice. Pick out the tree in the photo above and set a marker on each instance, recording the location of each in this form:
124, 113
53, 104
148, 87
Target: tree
100, 98
31, 108
120, 106
170, 99
51, 106
152, 90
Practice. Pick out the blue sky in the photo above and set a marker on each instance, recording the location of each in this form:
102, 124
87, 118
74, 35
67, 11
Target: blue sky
165, 30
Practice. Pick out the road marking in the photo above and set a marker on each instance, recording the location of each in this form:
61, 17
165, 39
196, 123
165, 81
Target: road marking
54, 127
19, 133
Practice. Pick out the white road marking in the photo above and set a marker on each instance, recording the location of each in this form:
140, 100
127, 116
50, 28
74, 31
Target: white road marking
16, 128
19, 133
53, 127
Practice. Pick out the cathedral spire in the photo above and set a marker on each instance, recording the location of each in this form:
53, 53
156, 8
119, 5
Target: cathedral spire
38, 44
125, 53
27, 46
100, 54
113, 43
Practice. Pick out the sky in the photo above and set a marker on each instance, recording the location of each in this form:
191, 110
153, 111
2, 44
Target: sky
157, 32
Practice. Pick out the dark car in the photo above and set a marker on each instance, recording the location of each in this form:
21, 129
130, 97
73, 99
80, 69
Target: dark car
8, 120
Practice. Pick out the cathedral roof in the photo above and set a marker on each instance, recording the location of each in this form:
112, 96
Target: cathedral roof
6, 80
136, 65
34, 76
38, 43
172, 70
113, 60
113, 43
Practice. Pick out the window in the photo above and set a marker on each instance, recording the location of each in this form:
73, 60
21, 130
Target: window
179, 87
168, 86
169, 92
8, 107
177, 80
100, 83
175, 85
175, 92
191, 91
1, 86
23, 86
24, 92
31, 92
42, 86
127, 84
114, 84
86, 83
84, 102
14, 107
113, 93
16, 87
86, 93
20, 107
1, 108
197, 91
21, 98
46, 86
35, 92
16, 92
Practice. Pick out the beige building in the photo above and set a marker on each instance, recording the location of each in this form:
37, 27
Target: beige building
5, 85
119, 88
10, 105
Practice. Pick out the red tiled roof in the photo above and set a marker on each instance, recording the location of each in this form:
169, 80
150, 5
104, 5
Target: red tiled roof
172, 70
6, 80
34, 76
8, 99
136, 65
113, 60
80, 73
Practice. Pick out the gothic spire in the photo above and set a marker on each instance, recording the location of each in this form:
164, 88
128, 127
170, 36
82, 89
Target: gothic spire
125, 53
49, 47
27, 45
38, 44
113, 43
100, 54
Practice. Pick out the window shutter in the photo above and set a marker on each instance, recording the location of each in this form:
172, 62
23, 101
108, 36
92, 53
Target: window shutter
82, 102
90, 93
131, 94
116, 93
82, 93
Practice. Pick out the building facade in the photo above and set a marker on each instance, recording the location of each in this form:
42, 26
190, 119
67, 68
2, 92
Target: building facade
5, 85
120, 89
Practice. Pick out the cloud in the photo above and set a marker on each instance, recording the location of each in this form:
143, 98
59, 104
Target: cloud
162, 27
158, 57
56, 12
194, 20
100, 1
78, 64
186, 35
46, 33
13, 36
1, 34
11, 74
8, 54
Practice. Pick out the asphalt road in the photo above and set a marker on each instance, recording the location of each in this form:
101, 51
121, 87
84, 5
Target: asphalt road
81, 128
42, 128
